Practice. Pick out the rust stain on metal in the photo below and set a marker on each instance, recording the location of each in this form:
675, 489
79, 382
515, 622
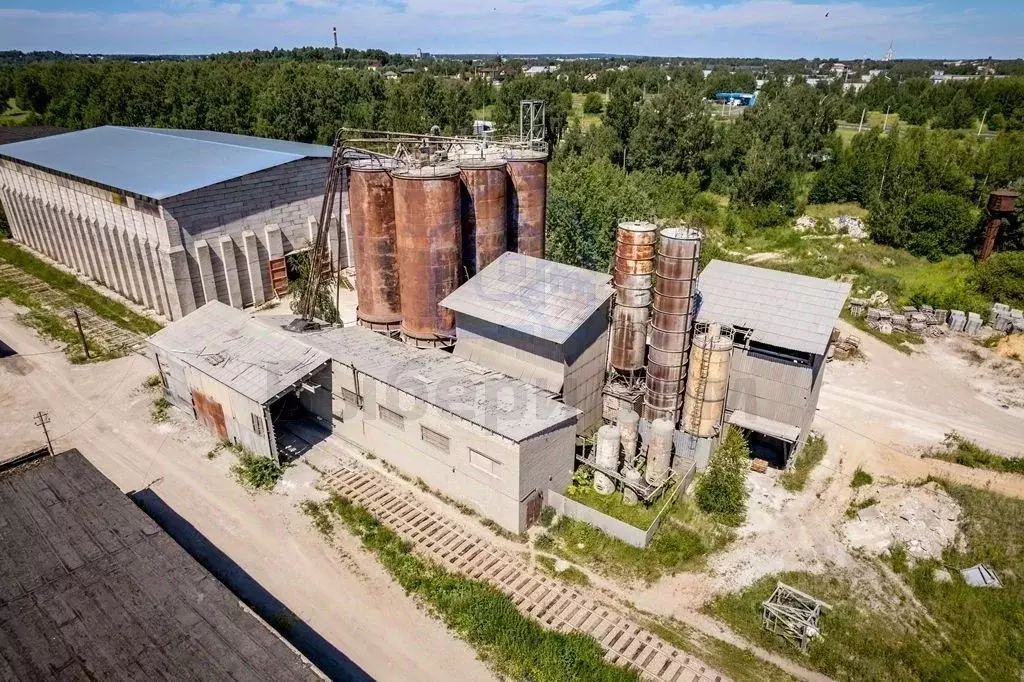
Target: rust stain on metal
374, 240
428, 222
634, 263
210, 413
484, 213
528, 173
671, 321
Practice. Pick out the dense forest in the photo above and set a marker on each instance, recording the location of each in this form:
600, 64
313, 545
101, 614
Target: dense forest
652, 145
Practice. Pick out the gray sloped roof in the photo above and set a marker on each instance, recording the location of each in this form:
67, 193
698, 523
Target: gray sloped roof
498, 403
157, 163
534, 296
786, 310
232, 348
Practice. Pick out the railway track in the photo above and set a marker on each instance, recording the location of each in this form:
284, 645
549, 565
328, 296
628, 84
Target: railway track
545, 599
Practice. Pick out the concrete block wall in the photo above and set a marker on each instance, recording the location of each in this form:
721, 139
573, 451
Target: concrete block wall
230, 231
105, 236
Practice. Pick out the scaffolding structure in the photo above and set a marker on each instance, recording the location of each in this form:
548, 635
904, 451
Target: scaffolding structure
793, 614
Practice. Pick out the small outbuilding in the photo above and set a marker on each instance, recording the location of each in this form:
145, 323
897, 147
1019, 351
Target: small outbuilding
783, 326
240, 378
540, 321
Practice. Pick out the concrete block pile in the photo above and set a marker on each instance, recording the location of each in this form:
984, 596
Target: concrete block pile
924, 321
1006, 320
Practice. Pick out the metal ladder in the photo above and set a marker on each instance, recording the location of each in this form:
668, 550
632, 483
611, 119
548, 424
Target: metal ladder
702, 383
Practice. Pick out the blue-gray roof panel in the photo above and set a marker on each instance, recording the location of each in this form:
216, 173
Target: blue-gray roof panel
157, 163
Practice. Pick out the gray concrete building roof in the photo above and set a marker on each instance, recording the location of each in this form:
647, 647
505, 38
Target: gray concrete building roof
93, 589
157, 163
534, 296
498, 403
785, 310
229, 346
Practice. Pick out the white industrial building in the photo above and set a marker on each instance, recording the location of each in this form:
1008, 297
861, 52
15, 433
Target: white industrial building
541, 321
170, 219
783, 326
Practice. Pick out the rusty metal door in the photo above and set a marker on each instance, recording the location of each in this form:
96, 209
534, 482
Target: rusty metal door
533, 507
279, 276
210, 413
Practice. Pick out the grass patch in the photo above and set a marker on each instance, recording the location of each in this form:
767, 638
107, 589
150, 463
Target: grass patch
851, 511
152, 381
795, 478
683, 539
78, 292
216, 450
547, 515
319, 516
861, 478
160, 411
570, 575
255, 471
513, 644
960, 450
501, 532
825, 212
639, 515
585, 120
13, 115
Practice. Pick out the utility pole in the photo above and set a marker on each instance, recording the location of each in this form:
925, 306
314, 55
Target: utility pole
42, 419
982, 125
78, 323
862, 114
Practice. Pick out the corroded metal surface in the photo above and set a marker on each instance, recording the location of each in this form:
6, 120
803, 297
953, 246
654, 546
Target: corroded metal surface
374, 240
484, 213
672, 320
428, 222
528, 186
634, 263
707, 384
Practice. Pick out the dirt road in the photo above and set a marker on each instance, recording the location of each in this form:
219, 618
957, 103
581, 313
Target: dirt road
338, 600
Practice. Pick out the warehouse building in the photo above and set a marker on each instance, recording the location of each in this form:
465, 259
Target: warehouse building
783, 326
93, 589
171, 219
242, 379
543, 322
475, 435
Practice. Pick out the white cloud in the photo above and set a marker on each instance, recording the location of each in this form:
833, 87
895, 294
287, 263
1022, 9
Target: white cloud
740, 27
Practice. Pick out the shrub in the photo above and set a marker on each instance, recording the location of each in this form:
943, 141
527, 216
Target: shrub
1001, 278
812, 453
152, 381
160, 407
593, 103
257, 472
722, 488
861, 478
547, 515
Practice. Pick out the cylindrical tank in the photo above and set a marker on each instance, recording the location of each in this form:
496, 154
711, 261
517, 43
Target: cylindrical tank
428, 222
659, 451
628, 422
374, 241
671, 321
706, 384
629, 496
607, 457
634, 263
484, 212
528, 187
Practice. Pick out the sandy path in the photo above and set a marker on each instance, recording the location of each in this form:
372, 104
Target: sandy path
369, 628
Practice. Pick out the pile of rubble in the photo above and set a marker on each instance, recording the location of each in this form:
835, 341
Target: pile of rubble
843, 348
924, 519
923, 321
1005, 320
805, 223
848, 224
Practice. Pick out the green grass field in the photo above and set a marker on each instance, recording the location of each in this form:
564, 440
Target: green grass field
585, 120
12, 115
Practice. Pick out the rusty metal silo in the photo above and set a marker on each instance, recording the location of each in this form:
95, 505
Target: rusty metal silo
528, 187
671, 321
428, 222
634, 263
374, 241
484, 212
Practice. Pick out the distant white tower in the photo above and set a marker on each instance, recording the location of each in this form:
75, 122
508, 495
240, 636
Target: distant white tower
888, 55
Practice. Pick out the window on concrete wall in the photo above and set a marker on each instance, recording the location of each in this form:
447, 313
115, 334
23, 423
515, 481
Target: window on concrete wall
350, 397
438, 440
257, 424
484, 463
391, 417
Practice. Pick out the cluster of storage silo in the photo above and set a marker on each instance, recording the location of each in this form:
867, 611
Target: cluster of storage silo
683, 367
419, 231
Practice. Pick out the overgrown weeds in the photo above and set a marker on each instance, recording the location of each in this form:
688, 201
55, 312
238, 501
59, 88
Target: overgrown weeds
255, 471
152, 381
958, 449
861, 478
160, 411
319, 516
571, 574
851, 511
795, 478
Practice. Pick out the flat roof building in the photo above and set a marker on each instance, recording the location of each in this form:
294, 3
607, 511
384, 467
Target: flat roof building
93, 589
541, 321
170, 219
783, 326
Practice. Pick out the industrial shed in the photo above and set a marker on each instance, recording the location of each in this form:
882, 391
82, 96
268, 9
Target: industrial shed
783, 325
93, 589
170, 219
473, 434
540, 321
243, 380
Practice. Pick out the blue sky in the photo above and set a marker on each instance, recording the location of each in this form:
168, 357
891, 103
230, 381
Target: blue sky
767, 28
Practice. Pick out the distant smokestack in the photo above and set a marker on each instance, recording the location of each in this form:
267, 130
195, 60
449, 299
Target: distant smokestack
335, 29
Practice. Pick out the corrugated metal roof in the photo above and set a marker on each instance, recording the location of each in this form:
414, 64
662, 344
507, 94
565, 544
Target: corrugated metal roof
229, 346
157, 163
531, 295
769, 427
786, 310
508, 407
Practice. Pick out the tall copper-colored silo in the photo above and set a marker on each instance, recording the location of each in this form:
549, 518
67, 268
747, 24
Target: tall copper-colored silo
634, 263
374, 241
429, 225
484, 212
528, 186
671, 321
